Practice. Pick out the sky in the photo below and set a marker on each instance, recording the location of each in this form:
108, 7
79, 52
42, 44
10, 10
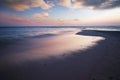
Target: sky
59, 12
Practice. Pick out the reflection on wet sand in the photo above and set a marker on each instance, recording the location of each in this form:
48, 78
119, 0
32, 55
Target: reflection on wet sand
61, 44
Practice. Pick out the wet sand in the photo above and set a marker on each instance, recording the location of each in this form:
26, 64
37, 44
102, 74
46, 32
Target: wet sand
99, 62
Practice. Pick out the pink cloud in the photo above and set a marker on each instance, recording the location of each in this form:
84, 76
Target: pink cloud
41, 15
21, 5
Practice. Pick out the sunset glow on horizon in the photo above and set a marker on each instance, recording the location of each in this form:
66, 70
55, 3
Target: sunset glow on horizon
59, 12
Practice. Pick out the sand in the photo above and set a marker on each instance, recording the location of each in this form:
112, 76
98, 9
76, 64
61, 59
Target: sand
99, 62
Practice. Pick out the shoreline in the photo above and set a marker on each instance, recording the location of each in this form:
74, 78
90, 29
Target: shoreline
100, 62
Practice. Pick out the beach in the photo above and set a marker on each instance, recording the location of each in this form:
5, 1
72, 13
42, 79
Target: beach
59, 39
67, 55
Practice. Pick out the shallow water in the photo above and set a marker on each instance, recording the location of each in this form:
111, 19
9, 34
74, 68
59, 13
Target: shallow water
60, 44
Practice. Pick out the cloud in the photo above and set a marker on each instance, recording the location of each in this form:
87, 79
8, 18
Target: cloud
40, 3
91, 4
41, 15
9, 20
66, 3
61, 20
21, 5
97, 4
76, 19
14, 20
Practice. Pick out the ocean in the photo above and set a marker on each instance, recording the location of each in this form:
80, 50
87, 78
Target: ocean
39, 42
10, 33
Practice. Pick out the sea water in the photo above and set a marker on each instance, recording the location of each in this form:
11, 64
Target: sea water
11, 34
